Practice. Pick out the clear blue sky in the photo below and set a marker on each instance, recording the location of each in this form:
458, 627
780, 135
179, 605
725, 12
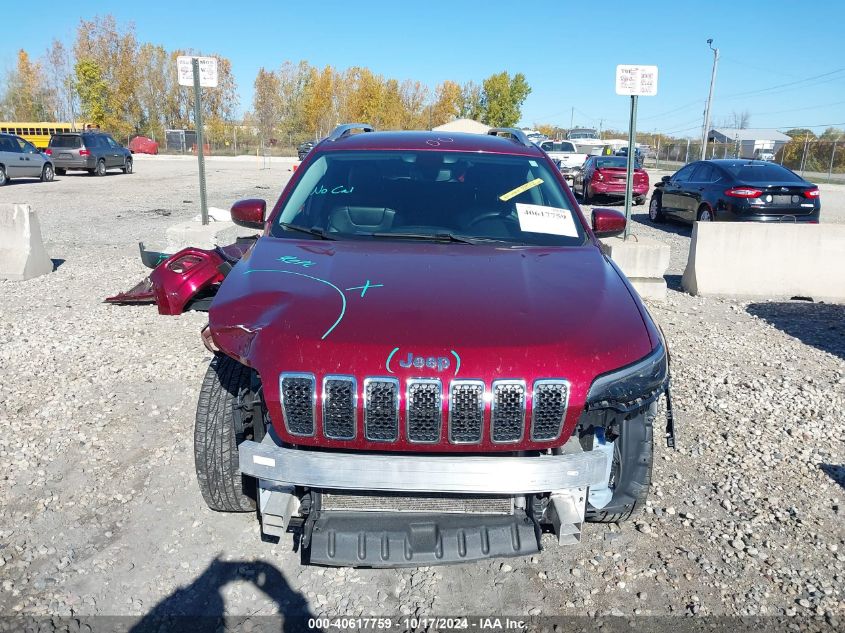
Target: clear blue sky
567, 50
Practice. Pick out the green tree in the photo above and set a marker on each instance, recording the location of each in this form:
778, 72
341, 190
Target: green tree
265, 103
93, 92
502, 98
471, 102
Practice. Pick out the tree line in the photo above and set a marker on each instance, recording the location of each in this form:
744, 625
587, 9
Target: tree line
299, 100
111, 79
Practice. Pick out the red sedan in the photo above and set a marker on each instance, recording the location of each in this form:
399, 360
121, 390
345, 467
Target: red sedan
605, 176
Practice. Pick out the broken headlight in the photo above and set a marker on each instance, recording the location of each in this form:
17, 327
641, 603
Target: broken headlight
631, 387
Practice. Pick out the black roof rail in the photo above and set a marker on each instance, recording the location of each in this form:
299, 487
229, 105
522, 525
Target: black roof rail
344, 130
515, 133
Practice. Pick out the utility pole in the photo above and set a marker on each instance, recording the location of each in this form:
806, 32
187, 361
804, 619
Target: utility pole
571, 118
709, 100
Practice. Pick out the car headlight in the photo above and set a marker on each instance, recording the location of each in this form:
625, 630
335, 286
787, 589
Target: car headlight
631, 387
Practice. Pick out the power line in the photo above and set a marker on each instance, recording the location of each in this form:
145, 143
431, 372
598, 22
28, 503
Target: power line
790, 83
813, 107
686, 106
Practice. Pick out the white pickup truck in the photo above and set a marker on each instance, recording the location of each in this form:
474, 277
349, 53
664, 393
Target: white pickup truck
566, 156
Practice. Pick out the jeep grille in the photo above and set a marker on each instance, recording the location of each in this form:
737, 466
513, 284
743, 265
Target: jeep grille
549, 403
340, 407
507, 419
466, 411
298, 396
425, 408
381, 409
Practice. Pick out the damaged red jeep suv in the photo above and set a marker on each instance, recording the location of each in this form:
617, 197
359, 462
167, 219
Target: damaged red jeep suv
426, 357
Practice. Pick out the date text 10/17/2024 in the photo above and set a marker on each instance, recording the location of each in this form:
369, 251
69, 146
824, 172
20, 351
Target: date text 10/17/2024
414, 623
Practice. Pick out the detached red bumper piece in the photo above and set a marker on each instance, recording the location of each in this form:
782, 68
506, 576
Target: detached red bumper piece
187, 280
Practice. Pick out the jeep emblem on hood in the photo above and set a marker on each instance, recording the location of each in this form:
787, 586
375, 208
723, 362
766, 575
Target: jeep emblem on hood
439, 363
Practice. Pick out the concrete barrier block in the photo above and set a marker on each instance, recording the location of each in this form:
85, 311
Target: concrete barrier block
22, 252
652, 289
192, 233
644, 262
778, 261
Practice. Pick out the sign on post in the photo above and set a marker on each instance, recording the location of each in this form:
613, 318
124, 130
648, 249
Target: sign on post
207, 68
640, 81
199, 72
634, 81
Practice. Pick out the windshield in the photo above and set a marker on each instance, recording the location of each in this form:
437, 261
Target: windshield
760, 172
588, 134
429, 194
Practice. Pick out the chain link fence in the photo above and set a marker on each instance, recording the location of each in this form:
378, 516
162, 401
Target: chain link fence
814, 159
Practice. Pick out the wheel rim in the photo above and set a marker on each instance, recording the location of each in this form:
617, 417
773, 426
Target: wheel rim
48, 173
128, 166
101, 168
2, 177
705, 216
652, 209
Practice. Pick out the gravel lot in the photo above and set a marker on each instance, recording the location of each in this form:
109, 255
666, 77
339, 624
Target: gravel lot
101, 513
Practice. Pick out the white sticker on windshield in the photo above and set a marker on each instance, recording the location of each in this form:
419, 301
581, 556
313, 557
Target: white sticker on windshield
535, 218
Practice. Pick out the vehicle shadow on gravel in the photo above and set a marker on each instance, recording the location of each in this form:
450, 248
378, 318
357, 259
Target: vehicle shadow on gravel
836, 473
201, 607
669, 226
821, 325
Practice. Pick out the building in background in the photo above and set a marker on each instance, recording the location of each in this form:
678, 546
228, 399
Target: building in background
750, 142
463, 125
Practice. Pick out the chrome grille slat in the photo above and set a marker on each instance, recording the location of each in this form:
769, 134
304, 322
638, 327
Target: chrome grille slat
466, 411
340, 407
423, 409
507, 413
549, 401
298, 397
381, 409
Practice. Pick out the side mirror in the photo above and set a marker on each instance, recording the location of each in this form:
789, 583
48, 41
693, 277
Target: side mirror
666, 179
249, 213
608, 223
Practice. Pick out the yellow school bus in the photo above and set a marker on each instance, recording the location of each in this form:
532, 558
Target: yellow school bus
37, 133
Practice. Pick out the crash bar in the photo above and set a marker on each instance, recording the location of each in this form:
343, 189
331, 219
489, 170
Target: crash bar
503, 475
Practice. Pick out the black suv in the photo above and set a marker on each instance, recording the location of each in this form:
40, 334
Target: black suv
95, 152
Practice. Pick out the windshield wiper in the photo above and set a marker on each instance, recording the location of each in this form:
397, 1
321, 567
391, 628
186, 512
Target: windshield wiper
316, 231
434, 237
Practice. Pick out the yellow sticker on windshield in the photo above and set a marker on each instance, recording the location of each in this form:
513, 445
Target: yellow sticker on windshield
515, 192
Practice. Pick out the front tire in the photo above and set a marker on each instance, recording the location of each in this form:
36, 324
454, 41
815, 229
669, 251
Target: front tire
127, 168
630, 476
221, 483
3, 177
47, 174
655, 209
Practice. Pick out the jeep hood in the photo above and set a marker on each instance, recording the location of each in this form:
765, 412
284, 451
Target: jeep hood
475, 312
